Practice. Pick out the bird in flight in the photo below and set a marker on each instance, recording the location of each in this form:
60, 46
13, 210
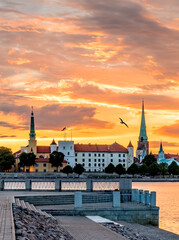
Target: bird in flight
122, 122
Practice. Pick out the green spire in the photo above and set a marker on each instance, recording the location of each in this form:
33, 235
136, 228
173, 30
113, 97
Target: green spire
32, 125
143, 134
161, 148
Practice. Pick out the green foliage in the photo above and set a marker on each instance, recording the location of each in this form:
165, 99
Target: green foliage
149, 159
110, 168
27, 159
133, 169
67, 169
119, 169
143, 169
163, 168
79, 169
56, 159
6, 158
154, 169
173, 168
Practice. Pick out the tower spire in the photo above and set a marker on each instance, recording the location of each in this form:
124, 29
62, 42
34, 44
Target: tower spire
32, 125
143, 134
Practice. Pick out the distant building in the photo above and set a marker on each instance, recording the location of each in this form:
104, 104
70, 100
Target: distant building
169, 158
143, 144
93, 157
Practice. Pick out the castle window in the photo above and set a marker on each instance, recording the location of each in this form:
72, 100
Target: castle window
83, 154
89, 160
103, 160
71, 147
124, 160
119, 154
103, 154
99, 165
99, 154
68, 153
44, 164
95, 154
76, 154
75, 159
95, 164
36, 170
83, 159
89, 164
89, 154
63, 147
111, 155
99, 160
123, 165
119, 160
103, 164
45, 170
83, 164
124, 155
111, 160
95, 160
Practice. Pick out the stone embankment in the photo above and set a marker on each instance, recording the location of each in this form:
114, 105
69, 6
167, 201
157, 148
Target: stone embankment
126, 232
30, 225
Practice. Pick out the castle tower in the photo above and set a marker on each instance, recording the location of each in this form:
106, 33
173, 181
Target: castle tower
53, 146
130, 157
32, 147
161, 154
143, 144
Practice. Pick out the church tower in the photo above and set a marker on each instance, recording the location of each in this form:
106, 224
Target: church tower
143, 144
32, 147
161, 154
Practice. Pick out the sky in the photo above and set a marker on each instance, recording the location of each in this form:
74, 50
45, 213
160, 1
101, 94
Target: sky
83, 64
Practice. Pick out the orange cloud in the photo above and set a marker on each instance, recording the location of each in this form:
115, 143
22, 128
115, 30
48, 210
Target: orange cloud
19, 61
169, 130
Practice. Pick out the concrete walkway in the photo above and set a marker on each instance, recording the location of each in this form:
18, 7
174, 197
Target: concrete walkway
6, 219
82, 228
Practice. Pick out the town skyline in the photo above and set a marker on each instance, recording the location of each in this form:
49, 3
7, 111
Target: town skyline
85, 64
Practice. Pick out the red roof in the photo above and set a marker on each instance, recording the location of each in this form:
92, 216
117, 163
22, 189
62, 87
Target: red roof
53, 142
43, 149
115, 147
130, 144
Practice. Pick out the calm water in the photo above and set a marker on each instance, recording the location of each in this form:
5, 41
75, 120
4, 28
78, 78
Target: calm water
167, 200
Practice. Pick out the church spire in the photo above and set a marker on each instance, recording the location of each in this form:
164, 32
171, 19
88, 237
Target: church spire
161, 147
143, 134
32, 125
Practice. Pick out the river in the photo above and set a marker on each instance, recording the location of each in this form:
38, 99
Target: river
167, 200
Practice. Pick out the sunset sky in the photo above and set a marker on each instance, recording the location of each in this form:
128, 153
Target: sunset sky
85, 63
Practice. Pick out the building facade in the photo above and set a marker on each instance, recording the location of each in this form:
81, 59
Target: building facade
94, 157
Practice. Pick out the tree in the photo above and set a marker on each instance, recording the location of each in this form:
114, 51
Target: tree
154, 169
67, 169
143, 169
79, 169
6, 159
27, 159
133, 169
149, 159
163, 168
173, 168
119, 169
110, 168
56, 159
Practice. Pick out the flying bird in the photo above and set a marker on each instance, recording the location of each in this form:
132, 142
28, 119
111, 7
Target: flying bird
63, 129
122, 122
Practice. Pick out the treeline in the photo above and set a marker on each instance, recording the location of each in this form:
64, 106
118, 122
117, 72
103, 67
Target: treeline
148, 167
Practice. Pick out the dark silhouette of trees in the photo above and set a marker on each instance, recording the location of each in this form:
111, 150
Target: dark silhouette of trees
79, 169
143, 169
68, 169
6, 159
110, 168
133, 169
173, 168
119, 169
154, 169
149, 159
56, 159
163, 168
27, 159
